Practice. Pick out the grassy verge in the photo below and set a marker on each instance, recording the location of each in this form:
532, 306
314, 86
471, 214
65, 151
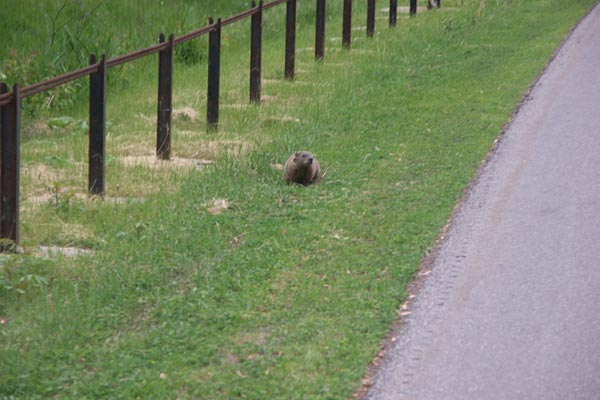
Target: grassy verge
218, 280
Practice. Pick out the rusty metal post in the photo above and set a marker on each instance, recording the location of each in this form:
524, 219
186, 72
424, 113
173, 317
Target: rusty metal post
393, 12
290, 39
97, 127
347, 24
413, 7
370, 18
214, 68
165, 97
320, 31
10, 140
255, 52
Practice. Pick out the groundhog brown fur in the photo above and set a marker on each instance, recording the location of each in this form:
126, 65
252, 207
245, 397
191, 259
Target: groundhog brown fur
302, 168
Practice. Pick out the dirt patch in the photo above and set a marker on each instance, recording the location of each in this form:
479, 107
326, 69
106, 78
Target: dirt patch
258, 337
36, 128
271, 81
147, 119
240, 106
178, 114
266, 97
187, 133
124, 200
213, 149
405, 10
231, 359
283, 118
43, 173
77, 231
59, 195
185, 114
217, 206
39, 198
56, 251
154, 163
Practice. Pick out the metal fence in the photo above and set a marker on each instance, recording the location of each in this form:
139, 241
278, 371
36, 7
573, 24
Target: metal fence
10, 101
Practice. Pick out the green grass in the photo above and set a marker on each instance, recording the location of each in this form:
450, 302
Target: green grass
288, 291
45, 39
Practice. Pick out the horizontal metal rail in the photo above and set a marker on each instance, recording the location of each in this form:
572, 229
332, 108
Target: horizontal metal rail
273, 4
59, 80
5, 98
193, 34
136, 54
240, 16
31, 90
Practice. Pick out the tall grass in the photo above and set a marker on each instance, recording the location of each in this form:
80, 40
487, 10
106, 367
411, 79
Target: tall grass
221, 281
45, 39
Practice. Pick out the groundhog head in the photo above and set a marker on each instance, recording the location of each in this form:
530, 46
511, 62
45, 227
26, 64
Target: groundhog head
303, 158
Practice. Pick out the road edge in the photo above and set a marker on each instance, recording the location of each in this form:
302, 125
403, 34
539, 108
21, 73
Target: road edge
429, 260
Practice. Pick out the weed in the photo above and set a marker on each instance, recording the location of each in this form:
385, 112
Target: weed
18, 276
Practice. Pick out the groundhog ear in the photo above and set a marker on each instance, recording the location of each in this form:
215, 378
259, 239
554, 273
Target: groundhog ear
297, 154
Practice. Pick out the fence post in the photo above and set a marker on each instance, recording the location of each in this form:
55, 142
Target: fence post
413, 7
393, 12
347, 24
255, 52
97, 127
370, 18
214, 67
10, 127
290, 38
165, 96
320, 31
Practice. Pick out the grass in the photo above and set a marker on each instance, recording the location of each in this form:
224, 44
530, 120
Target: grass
42, 40
223, 282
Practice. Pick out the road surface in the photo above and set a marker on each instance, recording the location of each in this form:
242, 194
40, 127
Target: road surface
511, 308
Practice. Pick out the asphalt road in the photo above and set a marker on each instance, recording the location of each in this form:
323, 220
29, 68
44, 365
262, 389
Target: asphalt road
511, 307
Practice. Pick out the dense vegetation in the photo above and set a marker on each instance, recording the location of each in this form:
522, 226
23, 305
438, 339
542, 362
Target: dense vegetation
208, 277
49, 38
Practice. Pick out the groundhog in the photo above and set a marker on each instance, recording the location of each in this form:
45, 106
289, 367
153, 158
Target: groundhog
302, 168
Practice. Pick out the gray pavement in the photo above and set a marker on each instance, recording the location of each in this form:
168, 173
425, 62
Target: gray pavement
511, 308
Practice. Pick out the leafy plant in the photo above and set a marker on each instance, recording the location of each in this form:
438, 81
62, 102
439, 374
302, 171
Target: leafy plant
18, 276
67, 121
